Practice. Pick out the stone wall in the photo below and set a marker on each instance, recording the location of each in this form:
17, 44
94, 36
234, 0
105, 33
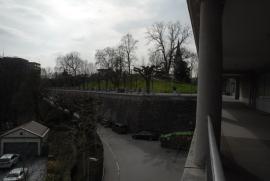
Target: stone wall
162, 113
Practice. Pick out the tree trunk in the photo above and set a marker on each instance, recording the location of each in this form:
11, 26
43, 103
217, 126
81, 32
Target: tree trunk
148, 83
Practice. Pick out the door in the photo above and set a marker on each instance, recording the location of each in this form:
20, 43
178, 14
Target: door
24, 148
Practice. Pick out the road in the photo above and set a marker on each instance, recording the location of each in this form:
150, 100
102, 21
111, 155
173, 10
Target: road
126, 159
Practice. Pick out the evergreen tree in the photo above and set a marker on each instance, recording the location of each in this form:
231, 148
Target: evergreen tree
181, 69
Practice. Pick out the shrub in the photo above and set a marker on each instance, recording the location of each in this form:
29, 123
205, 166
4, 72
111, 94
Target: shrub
176, 140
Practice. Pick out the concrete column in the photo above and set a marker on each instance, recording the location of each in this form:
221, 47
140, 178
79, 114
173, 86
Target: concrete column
209, 100
253, 89
2, 147
237, 88
39, 148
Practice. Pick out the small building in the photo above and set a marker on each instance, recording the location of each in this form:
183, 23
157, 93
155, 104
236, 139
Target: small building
27, 139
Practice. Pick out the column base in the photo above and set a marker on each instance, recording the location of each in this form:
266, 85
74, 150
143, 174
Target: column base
192, 171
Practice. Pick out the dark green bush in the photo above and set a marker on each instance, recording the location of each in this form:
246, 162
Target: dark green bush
177, 140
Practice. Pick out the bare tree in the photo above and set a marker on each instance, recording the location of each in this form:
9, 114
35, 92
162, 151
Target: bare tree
105, 58
129, 46
61, 66
87, 68
165, 37
71, 63
100, 57
111, 63
119, 63
155, 58
47, 72
193, 64
147, 72
92, 67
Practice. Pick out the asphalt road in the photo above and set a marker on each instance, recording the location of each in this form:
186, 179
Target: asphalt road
126, 159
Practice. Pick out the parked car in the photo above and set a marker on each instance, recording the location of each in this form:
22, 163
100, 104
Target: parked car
120, 128
146, 135
106, 123
17, 174
8, 160
120, 90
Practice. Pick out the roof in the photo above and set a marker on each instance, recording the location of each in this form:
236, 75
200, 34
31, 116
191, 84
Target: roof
6, 156
32, 127
17, 170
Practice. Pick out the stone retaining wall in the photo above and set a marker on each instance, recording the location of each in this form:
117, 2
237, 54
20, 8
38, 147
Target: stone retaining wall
162, 112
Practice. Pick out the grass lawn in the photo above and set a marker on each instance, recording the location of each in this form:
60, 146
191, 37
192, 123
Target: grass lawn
158, 86
179, 133
167, 87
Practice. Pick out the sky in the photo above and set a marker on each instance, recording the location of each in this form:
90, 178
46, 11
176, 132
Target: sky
41, 30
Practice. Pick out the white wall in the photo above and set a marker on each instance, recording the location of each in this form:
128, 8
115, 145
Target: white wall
263, 104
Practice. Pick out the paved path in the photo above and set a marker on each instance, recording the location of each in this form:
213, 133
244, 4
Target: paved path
136, 160
245, 142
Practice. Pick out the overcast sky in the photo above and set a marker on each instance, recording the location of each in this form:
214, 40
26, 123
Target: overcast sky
40, 30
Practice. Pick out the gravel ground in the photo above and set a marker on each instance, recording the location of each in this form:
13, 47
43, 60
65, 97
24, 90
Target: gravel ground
36, 166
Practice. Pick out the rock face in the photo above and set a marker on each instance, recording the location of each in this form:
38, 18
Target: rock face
152, 113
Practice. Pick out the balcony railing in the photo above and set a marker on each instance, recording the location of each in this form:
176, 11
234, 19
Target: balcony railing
215, 170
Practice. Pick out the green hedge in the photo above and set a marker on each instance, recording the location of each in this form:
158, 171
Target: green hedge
177, 140
179, 133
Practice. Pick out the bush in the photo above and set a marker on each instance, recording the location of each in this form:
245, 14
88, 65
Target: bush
176, 140
52, 166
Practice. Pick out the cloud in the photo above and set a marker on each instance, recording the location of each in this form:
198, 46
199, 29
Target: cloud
41, 30
4, 32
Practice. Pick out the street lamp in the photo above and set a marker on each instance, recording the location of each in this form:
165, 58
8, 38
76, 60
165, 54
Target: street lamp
93, 160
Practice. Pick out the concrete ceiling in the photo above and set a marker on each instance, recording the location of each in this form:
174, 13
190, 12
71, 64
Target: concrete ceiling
246, 34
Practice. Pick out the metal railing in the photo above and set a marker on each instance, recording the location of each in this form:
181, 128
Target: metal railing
215, 167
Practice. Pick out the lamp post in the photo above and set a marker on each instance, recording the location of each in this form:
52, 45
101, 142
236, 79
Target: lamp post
90, 160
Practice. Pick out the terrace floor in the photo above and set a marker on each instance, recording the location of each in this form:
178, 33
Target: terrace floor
245, 142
